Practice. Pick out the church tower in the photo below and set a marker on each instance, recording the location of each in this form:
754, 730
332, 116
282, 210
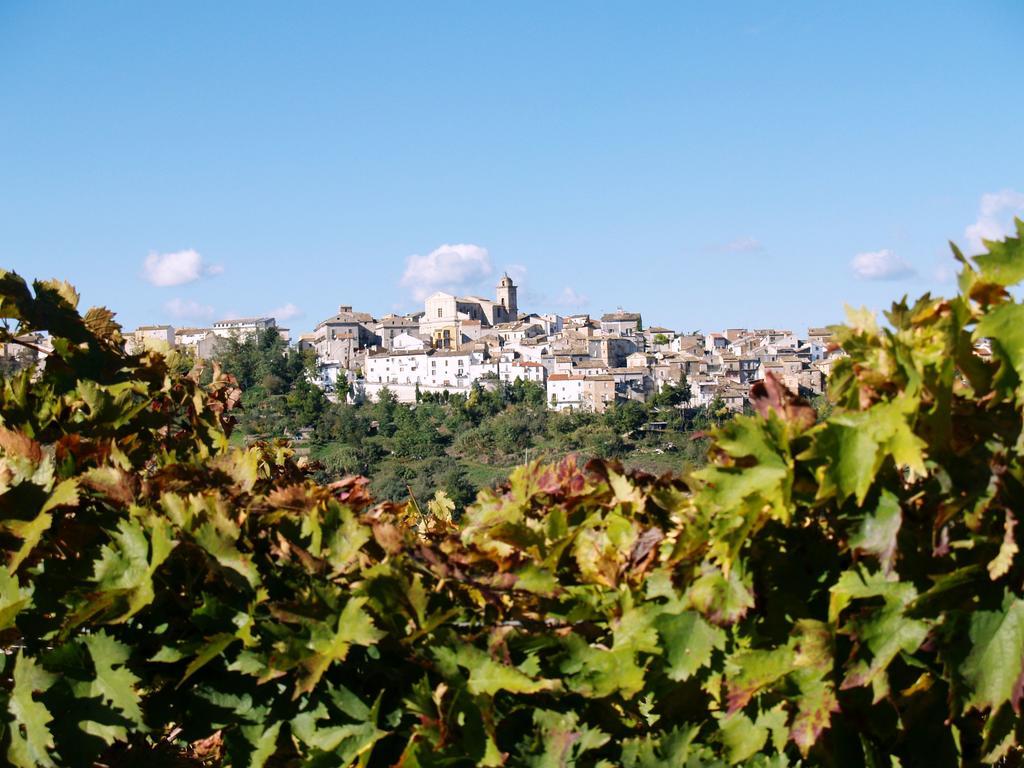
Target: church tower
507, 298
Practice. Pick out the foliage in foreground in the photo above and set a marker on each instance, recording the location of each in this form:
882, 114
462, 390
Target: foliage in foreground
844, 591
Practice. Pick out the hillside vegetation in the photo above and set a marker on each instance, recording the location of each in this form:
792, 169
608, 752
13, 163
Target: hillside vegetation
840, 590
454, 442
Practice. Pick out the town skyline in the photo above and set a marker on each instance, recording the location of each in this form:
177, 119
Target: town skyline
457, 344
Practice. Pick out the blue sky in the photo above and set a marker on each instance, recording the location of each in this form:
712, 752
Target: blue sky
741, 164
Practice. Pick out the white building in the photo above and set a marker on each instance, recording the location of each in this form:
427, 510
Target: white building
441, 370
242, 328
565, 391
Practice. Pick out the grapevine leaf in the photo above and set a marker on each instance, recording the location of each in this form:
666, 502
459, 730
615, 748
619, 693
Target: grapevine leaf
13, 598
563, 739
994, 669
886, 632
877, 534
688, 642
212, 648
815, 707
30, 737
599, 672
114, 682
742, 737
263, 741
1000, 565
355, 627
487, 676
441, 506
1004, 325
1003, 264
752, 671
852, 447
30, 533
219, 543
723, 600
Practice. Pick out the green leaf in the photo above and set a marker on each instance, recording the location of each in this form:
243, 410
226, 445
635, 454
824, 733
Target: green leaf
742, 737
994, 670
688, 643
851, 447
263, 741
1004, 262
347, 742
128, 563
355, 627
722, 599
563, 739
114, 682
487, 676
749, 672
219, 541
31, 740
886, 632
1004, 325
212, 648
877, 533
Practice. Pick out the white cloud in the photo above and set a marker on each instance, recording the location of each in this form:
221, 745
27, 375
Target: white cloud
285, 312
880, 265
188, 309
450, 267
571, 299
177, 268
995, 218
745, 244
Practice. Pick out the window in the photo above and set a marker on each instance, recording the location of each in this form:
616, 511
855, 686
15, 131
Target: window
439, 312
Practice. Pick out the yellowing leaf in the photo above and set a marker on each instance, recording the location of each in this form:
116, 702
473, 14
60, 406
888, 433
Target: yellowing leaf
1001, 563
487, 676
31, 740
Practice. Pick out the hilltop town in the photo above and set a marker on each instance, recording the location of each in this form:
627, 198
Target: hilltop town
584, 362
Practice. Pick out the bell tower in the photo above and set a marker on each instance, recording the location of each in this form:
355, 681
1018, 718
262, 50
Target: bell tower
507, 298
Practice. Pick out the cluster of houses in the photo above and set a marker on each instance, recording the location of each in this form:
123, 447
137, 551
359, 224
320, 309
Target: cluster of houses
583, 362
202, 342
